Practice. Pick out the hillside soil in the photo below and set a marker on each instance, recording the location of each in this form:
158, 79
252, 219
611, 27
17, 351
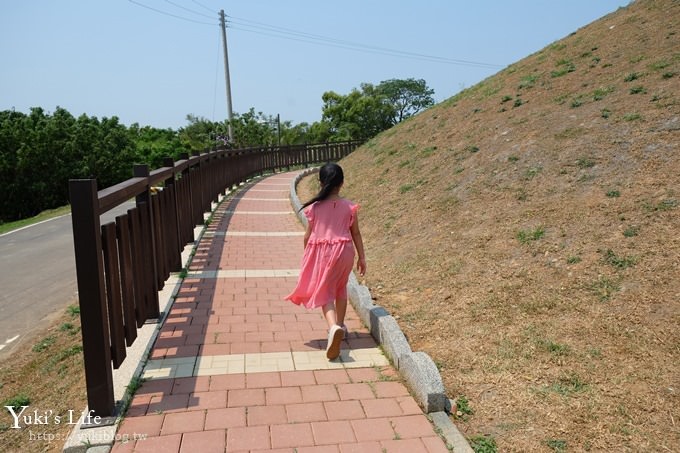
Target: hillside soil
46, 374
526, 235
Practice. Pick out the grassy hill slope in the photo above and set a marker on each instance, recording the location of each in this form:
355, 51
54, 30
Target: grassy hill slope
526, 234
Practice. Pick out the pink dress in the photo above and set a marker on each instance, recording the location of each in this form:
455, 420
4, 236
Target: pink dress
329, 255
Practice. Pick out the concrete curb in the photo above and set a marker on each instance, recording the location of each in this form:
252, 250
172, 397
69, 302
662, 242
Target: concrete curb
101, 439
417, 368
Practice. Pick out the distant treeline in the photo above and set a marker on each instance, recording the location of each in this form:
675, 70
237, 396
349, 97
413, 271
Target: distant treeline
40, 151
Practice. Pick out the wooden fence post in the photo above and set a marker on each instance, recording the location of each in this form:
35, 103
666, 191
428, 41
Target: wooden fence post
143, 201
87, 245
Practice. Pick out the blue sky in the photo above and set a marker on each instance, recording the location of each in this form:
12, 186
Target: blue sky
117, 58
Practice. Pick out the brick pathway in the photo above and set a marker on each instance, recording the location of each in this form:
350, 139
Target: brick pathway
236, 368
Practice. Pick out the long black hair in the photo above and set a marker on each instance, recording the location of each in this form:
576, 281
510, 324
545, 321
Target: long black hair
330, 177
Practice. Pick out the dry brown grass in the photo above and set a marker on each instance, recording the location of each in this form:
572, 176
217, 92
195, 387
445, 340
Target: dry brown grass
531, 247
49, 373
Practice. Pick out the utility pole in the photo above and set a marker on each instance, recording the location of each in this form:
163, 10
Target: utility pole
223, 23
278, 128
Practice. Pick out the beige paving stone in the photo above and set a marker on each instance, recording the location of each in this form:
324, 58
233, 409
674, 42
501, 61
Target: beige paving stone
169, 368
245, 273
260, 233
269, 362
259, 212
261, 199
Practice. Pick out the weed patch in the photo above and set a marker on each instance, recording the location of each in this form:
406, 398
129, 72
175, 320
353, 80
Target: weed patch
463, 409
564, 67
526, 236
17, 401
483, 444
527, 82
44, 344
585, 162
620, 262
532, 172
557, 445
566, 385
604, 288
631, 231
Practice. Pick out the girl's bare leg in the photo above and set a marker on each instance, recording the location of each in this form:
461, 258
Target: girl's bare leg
330, 314
341, 307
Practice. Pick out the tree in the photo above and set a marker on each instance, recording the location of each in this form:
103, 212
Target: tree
153, 145
408, 96
199, 135
357, 116
364, 113
252, 129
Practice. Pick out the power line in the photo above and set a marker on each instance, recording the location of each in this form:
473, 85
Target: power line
203, 6
190, 10
169, 14
285, 33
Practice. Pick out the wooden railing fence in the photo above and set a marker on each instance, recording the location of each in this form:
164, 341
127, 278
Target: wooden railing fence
121, 266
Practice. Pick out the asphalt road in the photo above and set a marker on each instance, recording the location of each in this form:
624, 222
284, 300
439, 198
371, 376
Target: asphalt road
37, 277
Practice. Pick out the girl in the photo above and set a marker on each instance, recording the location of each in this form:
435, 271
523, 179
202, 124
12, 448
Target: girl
330, 241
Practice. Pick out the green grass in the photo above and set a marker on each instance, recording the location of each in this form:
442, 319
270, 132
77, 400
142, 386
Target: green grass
631, 231
665, 205
632, 76
568, 385
17, 401
69, 327
632, 117
45, 215
613, 194
563, 67
659, 65
576, 102
585, 162
44, 344
557, 445
526, 236
483, 444
604, 288
620, 262
555, 349
527, 81
638, 90
463, 409
532, 172
573, 259
61, 356
605, 113
73, 310
406, 188
600, 93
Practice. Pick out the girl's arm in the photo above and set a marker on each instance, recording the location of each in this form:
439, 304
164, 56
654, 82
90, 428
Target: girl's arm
308, 233
359, 245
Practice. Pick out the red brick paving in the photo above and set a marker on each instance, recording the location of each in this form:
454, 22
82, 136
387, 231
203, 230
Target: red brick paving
339, 410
